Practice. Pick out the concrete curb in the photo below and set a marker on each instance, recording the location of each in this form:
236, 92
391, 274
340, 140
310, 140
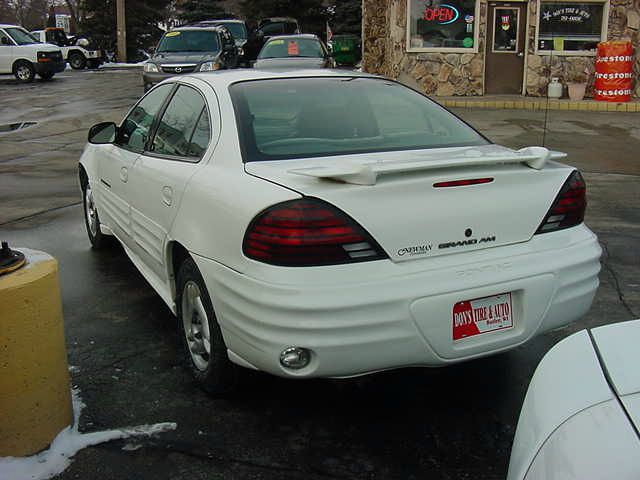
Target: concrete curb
541, 105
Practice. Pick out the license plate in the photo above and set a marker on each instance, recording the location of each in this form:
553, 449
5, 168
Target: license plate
482, 315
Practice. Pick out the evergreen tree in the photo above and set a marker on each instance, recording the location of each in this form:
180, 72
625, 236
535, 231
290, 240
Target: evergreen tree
142, 17
195, 10
347, 17
311, 14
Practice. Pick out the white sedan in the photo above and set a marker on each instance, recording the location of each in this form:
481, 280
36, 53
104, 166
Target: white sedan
332, 224
581, 416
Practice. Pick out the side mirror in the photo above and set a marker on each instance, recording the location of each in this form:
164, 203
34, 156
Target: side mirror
5, 41
151, 50
103, 133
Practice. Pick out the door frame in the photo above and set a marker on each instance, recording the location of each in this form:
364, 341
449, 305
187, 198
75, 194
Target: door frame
523, 90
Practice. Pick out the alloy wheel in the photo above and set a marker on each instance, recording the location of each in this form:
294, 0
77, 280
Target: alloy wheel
196, 325
90, 211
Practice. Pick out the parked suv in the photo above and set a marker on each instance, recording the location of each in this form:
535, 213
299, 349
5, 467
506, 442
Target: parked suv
21, 55
238, 29
75, 50
267, 28
190, 49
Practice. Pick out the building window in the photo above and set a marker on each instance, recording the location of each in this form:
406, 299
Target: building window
442, 25
571, 27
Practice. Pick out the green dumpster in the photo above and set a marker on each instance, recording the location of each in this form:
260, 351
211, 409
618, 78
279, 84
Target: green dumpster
346, 49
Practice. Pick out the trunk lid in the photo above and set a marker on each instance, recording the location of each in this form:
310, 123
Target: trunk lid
410, 217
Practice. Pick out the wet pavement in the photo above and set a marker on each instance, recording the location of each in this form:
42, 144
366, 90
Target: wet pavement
449, 423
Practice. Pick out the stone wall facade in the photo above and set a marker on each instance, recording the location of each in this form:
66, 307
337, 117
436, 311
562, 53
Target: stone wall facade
447, 74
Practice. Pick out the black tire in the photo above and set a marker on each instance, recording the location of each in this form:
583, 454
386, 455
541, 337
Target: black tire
92, 221
212, 369
24, 71
93, 64
77, 60
46, 76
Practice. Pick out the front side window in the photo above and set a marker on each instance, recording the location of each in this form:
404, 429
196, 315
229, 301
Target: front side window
442, 24
238, 30
313, 117
570, 26
20, 36
299, 47
184, 121
5, 40
189, 41
134, 131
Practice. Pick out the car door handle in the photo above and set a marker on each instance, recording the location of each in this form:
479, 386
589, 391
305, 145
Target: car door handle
124, 174
167, 195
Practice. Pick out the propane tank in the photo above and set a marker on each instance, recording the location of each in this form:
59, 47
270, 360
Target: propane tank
554, 88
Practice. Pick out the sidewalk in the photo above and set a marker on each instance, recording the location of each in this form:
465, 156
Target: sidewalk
537, 103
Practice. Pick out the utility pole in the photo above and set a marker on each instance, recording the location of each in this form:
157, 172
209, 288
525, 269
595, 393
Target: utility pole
121, 31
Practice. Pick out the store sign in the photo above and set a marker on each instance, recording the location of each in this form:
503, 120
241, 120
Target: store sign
566, 15
443, 15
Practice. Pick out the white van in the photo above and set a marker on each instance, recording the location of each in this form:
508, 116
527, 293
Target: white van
21, 55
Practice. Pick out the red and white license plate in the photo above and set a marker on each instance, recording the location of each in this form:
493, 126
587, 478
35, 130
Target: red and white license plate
482, 315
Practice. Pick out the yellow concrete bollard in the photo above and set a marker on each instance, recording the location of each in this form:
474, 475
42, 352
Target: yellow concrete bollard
35, 397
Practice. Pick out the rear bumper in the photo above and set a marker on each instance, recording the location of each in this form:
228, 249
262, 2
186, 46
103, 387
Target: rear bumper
49, 67
358, 324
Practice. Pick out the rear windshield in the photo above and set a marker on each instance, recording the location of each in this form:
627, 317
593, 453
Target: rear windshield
298, 47
189, 41
312, 117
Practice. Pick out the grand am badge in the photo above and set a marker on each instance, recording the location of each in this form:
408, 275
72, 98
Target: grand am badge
415, 250
465, 243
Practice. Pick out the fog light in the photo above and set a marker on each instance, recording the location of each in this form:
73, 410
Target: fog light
295, 358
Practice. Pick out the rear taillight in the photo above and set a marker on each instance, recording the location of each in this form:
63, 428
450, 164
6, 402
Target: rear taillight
308, 232
568, 208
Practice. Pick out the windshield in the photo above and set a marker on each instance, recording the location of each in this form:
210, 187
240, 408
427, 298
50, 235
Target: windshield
312, 117
298, 47
238, 30
189, 41
21, 37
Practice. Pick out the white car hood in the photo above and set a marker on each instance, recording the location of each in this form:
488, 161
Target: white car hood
42, 47
619, 348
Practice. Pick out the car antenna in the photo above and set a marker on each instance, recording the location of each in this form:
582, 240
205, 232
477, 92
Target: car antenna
546, 110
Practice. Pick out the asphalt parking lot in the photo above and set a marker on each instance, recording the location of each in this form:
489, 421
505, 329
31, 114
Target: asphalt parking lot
449, 423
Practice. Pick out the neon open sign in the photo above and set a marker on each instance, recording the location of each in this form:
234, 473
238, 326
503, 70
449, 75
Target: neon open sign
444, 14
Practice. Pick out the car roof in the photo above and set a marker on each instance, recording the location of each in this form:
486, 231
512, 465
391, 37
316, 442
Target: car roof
7, 25
216, 28
310, 36
278, 19
224, 78
223, 20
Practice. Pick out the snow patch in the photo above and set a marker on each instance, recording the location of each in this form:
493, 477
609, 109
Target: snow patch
67, 443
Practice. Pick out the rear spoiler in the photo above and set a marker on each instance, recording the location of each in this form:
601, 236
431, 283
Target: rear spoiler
367, 173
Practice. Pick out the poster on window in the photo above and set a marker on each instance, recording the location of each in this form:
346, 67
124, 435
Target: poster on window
505, 30
442, 23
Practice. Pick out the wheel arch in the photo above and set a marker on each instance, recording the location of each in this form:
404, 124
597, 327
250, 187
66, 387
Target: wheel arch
82, 176
176, 254
17, 61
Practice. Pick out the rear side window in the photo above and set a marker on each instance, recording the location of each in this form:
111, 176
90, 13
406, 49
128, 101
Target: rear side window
183, 130
314, 117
